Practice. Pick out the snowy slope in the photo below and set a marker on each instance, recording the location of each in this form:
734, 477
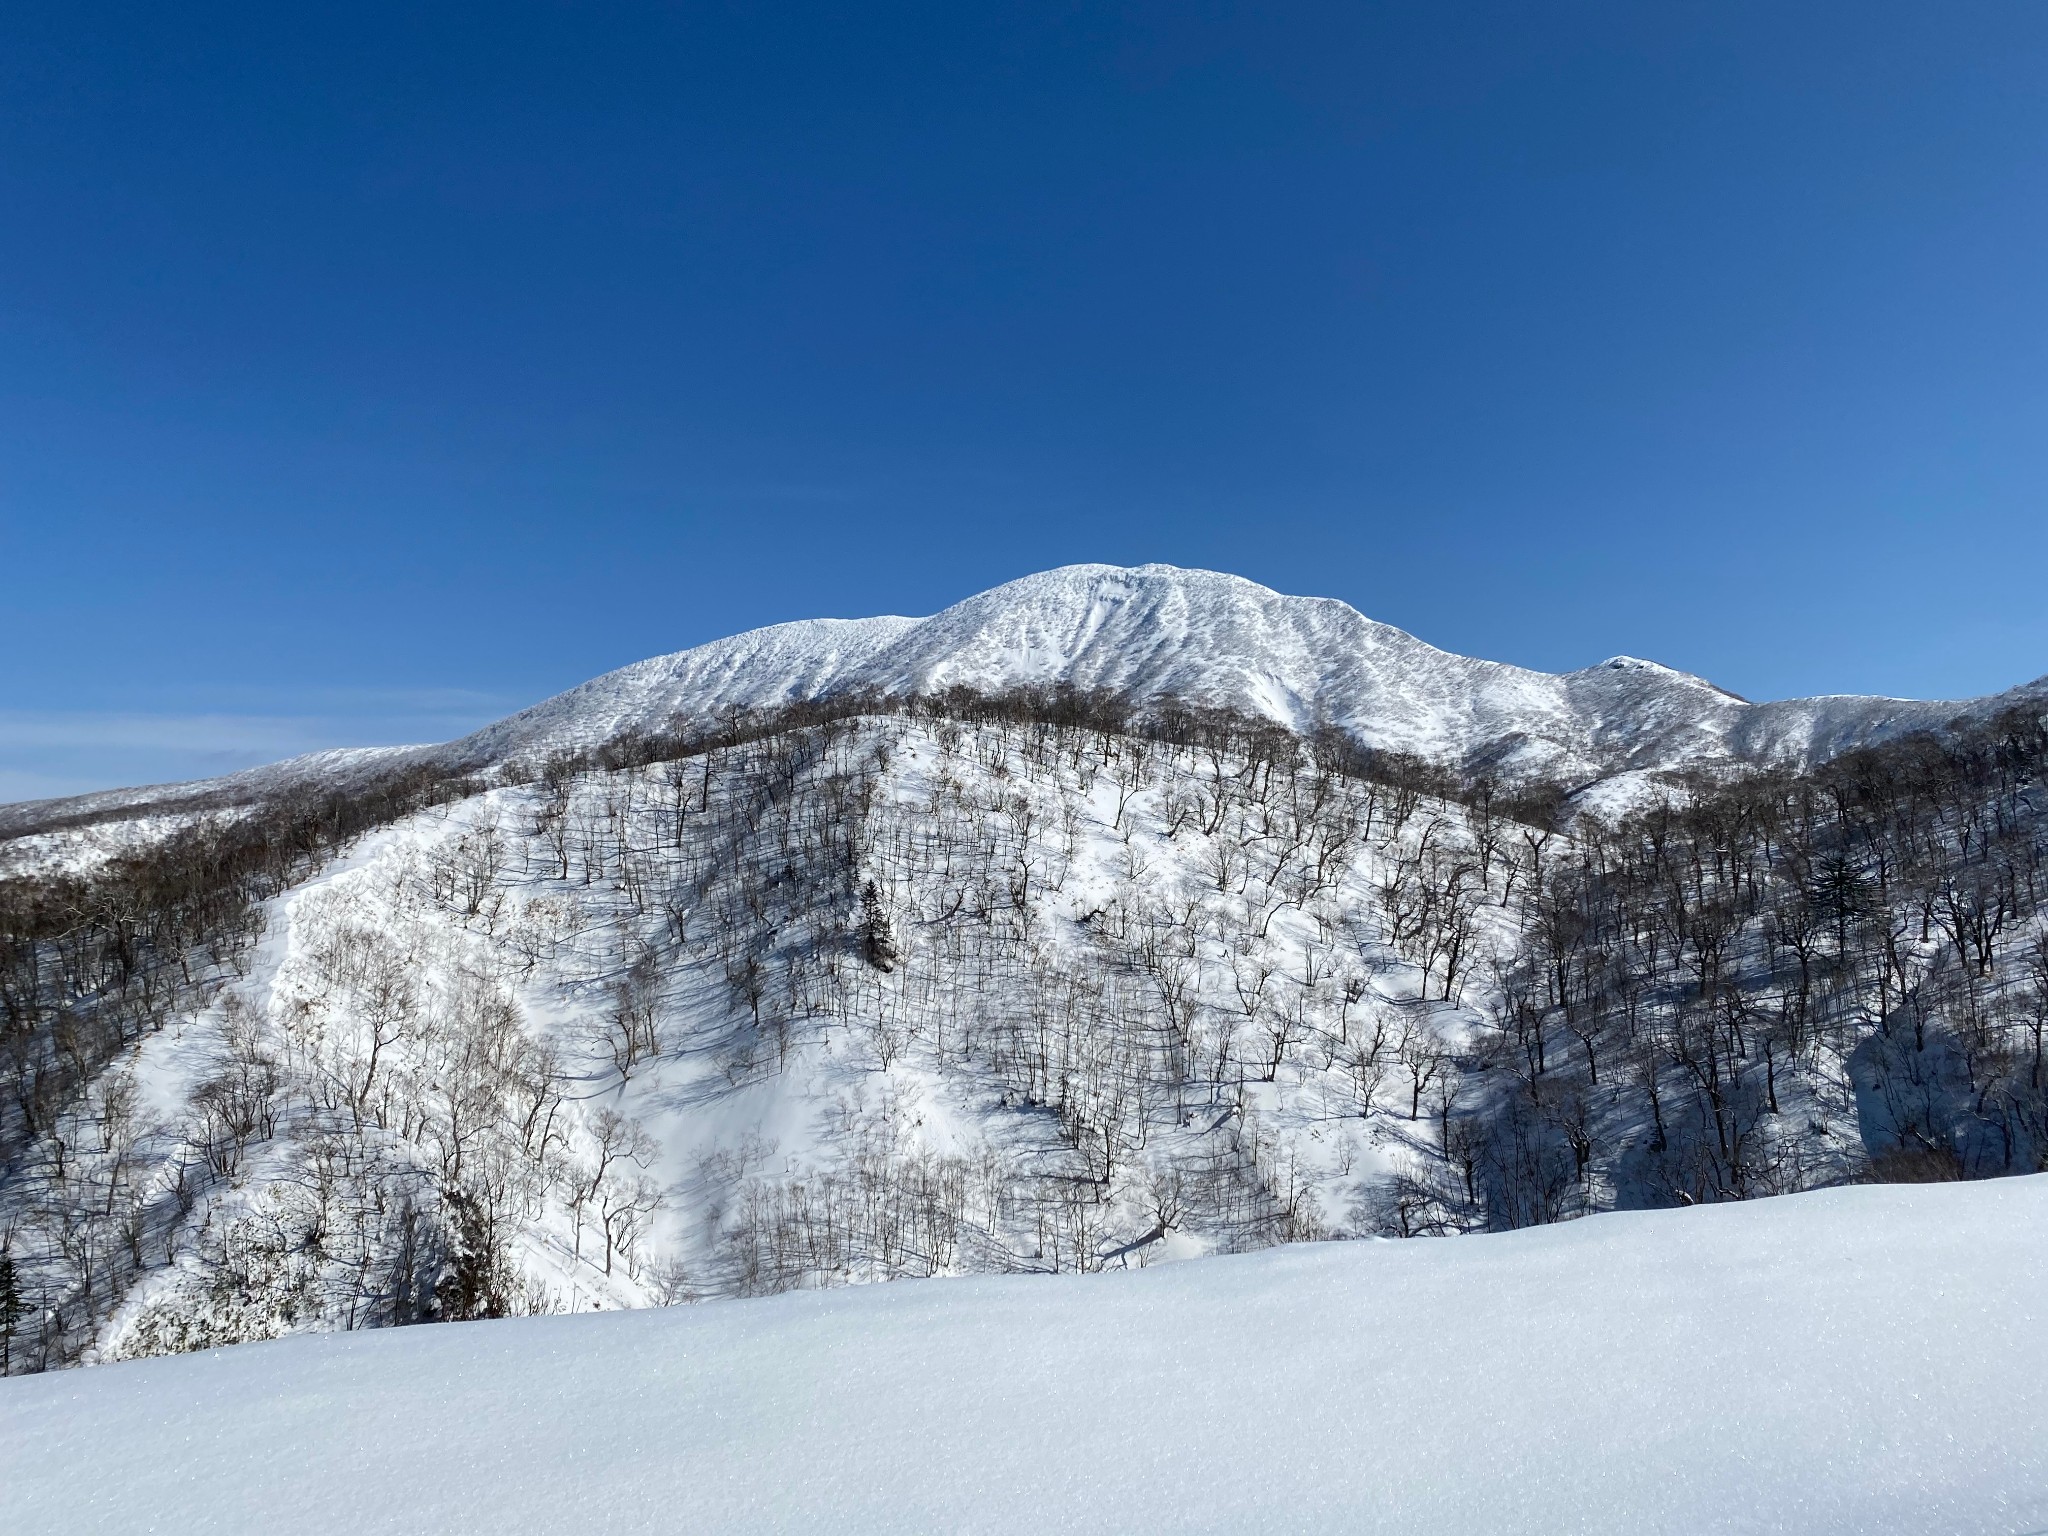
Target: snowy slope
339, 768
1858, 1360
756, 670
888, 1078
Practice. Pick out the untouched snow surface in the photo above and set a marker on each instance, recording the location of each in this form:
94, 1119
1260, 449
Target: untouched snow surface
1858, 1360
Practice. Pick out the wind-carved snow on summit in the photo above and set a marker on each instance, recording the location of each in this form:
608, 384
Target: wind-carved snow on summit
1158, 631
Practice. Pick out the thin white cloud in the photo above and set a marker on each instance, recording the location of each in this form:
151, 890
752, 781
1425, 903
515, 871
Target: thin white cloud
29, 730
47, 753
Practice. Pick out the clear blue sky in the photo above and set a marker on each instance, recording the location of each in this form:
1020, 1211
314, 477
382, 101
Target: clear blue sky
364, 375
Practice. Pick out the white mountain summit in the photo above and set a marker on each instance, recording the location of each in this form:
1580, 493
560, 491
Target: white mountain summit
1155, 631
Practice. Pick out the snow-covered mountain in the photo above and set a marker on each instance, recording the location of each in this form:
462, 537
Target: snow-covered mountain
1155, 631
893, 991
1151, 632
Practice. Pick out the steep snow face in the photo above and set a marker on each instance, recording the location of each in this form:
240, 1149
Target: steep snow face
1216, 639
1160, 631
1854, 1361
756, 670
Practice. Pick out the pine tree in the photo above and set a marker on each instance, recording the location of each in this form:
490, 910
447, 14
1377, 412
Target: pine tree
878, 943
12, 1309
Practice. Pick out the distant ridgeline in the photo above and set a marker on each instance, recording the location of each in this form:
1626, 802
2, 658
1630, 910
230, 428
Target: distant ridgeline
865, 987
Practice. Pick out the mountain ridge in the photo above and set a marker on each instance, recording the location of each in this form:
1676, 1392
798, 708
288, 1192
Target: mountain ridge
882, 989
1160, 631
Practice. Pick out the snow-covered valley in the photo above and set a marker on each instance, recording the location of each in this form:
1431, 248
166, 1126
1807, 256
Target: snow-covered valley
1867, 1361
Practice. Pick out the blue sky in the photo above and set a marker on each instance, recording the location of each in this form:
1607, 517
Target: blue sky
366, 375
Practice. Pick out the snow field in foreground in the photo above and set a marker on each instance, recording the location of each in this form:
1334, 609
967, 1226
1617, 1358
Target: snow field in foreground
1856, 1360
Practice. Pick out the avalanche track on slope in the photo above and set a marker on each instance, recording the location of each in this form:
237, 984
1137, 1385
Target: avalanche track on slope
1856, 1360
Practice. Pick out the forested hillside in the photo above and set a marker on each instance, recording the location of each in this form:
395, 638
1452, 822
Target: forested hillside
1040, 980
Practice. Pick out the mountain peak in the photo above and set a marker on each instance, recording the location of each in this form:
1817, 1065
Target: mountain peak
1636, 664
1208, 637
